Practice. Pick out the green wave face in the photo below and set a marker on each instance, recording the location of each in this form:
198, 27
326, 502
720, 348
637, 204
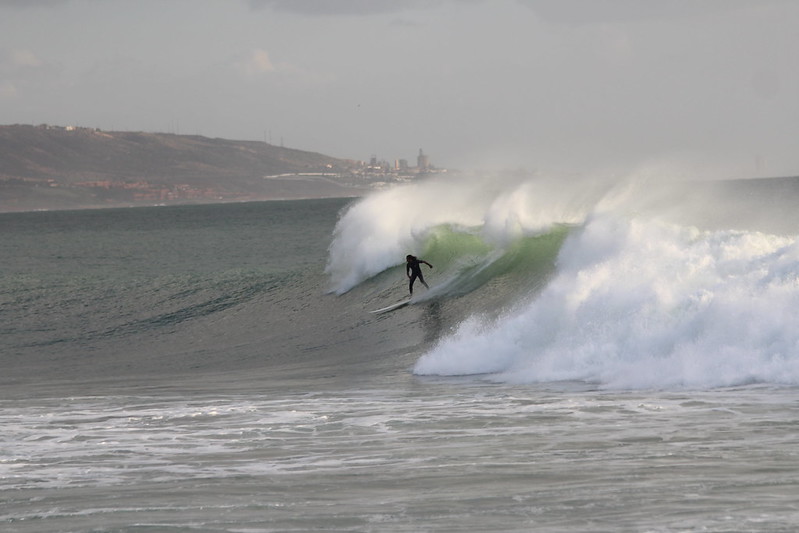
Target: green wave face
465, 262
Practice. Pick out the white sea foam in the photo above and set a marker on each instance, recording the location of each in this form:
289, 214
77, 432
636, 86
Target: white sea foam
643, 304
641, 298
378, 231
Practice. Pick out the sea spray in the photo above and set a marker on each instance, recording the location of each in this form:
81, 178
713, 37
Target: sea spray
377, 232
638, 303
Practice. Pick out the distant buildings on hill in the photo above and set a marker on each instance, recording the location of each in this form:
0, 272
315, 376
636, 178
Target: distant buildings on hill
400, 168
376, 174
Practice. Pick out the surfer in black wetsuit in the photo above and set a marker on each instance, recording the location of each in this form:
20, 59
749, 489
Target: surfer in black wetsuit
413, 269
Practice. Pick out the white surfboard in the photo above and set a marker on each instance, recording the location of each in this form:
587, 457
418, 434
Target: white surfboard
392, 307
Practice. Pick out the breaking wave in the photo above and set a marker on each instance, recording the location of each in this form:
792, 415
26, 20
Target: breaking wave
623, 285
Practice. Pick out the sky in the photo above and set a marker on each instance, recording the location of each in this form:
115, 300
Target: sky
700, 87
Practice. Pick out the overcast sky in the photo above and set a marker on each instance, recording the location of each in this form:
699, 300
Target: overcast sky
705, 85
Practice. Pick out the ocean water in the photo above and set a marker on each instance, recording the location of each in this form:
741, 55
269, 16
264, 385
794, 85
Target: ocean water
601, 355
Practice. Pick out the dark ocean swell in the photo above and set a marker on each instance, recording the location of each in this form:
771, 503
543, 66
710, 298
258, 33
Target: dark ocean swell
157, 292
84, 310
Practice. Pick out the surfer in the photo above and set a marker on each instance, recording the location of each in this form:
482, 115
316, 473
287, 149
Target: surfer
413, 269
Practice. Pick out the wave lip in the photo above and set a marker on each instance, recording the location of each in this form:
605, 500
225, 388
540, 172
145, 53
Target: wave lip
644, 304
376, 233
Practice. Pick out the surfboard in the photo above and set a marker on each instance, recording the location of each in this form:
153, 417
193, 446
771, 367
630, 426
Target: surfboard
392, 307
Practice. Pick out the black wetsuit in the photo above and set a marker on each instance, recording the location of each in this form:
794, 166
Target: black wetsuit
414, 270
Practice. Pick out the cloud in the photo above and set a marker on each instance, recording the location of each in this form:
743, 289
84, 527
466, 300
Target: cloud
24, 58
7, 89
578, 12
256, 62
20, 4
344, 7
18, 64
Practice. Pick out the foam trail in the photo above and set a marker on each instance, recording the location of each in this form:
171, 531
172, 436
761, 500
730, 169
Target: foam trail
378, 231
644, 304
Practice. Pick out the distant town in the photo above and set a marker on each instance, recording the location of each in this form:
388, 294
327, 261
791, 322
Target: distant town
49, 166
374, 174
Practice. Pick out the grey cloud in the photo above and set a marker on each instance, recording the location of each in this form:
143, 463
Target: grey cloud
577, 12
343, 7
20, 4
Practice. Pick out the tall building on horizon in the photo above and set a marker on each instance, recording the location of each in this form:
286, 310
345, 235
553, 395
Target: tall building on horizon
422, 162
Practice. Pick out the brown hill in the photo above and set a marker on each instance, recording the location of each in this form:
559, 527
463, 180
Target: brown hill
51, 167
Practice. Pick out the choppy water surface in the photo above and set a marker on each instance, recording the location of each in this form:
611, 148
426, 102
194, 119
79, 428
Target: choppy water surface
441, 456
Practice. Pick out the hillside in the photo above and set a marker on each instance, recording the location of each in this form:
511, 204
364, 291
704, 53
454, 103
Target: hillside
44, 167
